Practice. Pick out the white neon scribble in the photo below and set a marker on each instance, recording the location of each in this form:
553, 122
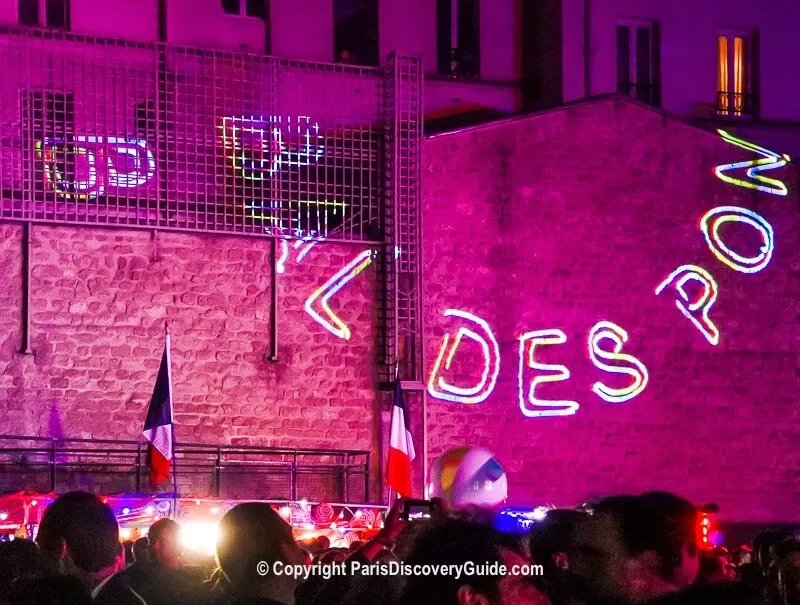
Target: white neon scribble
710, 223
280, 264
142, 157
558, 374
705, 302
441, 389
332, 323
769, 161
618, 336
94, 147
273, 151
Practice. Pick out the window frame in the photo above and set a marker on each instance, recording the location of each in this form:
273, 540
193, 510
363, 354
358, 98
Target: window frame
42, 15
749, 88
447, 55
243, 11
633, 84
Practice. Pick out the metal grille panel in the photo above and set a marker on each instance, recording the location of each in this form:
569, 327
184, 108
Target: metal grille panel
401, 277
98, 131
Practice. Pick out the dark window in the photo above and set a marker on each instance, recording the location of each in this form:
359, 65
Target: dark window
257, 8
44, 13
457, 37
28, 12
49, 125
638, 61
231, 7
355, 31
55, 12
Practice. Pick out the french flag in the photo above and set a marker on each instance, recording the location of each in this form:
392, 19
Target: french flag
158, 425
401, 447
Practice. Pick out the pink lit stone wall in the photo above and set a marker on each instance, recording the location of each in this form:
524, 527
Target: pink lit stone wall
100, 299
573, 217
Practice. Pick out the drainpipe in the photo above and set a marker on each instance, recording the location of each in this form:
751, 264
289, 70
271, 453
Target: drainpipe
587, 58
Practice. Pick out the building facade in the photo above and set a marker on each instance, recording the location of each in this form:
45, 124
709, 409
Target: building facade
269, 209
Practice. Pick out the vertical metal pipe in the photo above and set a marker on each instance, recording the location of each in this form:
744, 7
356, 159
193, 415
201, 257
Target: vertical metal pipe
273, 302
587, 56
26, 289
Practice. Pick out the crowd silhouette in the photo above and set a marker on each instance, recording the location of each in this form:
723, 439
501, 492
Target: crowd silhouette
623, 550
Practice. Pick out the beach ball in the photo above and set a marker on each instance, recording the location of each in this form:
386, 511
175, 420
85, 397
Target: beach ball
468, 476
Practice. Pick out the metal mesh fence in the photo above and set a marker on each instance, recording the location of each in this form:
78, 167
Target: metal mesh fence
98, 131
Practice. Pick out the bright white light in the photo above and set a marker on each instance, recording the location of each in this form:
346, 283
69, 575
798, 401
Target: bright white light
150, 510
3, 516
286, 512
214, 510
125, 534
304, 503
540, 513
126, 511
200, 537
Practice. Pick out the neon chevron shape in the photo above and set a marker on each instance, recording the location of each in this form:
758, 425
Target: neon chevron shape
328, 319
769, 161
705, 302
439, 388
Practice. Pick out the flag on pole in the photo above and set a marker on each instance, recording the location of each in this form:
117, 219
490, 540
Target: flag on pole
401, 447
158, 425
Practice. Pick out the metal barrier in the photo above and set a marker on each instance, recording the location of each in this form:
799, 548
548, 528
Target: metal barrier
45, 465
110, 132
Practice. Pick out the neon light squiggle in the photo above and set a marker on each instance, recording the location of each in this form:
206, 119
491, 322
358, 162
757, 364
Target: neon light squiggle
710, 223
704, 303
331, 322
256, 146
769, 161
98, 151
439, 388
559, 373
618, 336
273, 213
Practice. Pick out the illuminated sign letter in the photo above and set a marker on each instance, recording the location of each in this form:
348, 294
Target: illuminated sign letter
328, 319
769, 161
439, 388
527, 350
618, 336
710, 223
703, 304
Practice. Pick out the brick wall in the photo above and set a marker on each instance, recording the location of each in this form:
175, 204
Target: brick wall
573, 217
557, 221
100, 299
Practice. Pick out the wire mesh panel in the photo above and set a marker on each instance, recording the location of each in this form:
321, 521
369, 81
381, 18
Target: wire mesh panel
99, 131
401, 272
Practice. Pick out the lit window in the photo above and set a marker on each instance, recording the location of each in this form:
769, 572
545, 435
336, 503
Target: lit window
637, 61
457, 37
734, 82
246, 8
43, 13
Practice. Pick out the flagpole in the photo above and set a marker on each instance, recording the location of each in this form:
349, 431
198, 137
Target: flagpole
172, 422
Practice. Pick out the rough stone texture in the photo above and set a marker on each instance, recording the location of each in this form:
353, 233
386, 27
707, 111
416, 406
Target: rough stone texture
556, 221
575, 216
100, 299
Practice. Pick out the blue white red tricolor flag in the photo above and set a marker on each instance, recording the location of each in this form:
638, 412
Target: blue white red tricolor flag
158, 425
401, 447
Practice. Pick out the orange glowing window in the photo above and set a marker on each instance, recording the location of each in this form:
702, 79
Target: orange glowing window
733, 77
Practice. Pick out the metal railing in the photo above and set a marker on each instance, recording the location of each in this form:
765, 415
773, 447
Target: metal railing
735, 104
105, 466
111, 132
